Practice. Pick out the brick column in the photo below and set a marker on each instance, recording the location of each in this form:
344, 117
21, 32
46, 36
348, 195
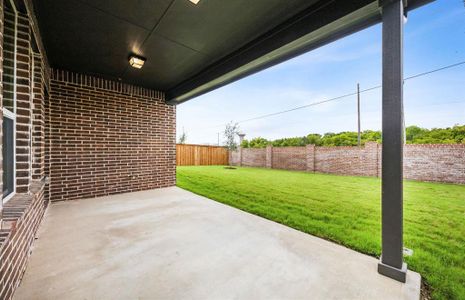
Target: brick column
310, 150
371, 150
269, 156
240, 156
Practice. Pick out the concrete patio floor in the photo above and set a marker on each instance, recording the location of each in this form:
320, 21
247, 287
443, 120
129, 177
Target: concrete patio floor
172, 244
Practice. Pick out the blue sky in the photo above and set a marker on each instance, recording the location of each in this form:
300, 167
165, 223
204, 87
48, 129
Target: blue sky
434, 37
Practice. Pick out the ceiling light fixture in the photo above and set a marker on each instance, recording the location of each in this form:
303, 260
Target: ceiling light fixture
194, 1
136, 61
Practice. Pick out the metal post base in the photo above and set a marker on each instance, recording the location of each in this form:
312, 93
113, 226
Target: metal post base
393, 272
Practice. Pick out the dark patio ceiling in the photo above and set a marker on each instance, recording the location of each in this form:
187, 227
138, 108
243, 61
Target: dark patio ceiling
191, 49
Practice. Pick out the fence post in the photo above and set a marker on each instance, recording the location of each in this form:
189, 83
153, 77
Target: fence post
269, 157
310, 157
371, 150
240, 156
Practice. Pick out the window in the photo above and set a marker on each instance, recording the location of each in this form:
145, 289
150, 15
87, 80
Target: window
9, 100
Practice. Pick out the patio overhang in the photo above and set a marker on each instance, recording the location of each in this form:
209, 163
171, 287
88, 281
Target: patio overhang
192, 49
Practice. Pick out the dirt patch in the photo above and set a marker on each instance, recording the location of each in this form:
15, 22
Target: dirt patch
425, 291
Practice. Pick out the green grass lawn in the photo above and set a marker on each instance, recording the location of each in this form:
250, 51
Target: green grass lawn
347, 210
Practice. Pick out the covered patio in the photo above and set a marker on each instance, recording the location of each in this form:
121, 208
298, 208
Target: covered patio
171, 244
89, 99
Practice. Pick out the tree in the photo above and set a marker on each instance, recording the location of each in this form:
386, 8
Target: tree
258, 142
287, 142
182, 137
314, 139
230, 132
245, 144
346, 138
414, 135
371, 136
459, 133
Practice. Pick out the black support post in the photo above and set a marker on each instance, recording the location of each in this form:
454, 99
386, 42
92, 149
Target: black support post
391, 263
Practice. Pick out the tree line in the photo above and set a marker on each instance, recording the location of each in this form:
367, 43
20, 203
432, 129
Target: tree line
413, 135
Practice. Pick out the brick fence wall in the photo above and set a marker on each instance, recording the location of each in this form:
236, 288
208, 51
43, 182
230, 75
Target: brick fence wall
289, 158
440, 163
254, 157
348, 160
443, 163
234, 158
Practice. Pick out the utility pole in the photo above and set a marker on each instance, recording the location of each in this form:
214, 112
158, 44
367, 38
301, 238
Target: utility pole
359, 142
218, 138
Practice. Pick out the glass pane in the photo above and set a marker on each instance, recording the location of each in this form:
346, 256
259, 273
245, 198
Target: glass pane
8, 59
8, 156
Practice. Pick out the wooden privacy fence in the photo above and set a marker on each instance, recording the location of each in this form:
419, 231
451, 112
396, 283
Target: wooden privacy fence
201, 155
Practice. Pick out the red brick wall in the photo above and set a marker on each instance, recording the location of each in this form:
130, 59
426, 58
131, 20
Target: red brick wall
289, 158
347, 160
254, 157
91, 136
23, 105
443, 163
310, 157
107, 137
440, 163
22, 214
269, 157
38, 121
234, 158
48, 144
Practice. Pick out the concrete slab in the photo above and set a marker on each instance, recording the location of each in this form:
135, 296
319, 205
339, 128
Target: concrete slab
172, 244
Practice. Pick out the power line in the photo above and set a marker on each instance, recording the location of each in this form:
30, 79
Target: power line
350, 94
210, 135
342, 96
435, 70
310, 104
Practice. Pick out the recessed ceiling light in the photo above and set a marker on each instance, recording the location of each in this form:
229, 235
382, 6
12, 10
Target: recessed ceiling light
136, 61
194, 1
